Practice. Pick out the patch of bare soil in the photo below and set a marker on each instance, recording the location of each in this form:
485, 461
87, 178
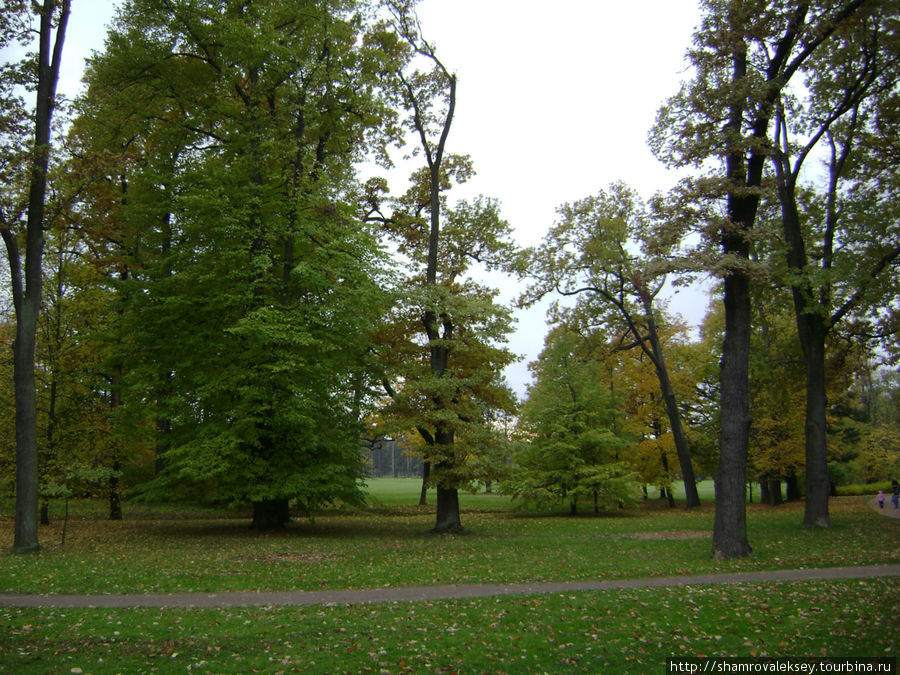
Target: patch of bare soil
288, 557
668, 535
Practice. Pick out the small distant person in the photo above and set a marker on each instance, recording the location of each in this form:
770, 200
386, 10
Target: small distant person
881, 499
895, 486
895, 498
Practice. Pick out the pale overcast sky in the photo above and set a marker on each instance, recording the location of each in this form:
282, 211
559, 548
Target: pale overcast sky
554, 102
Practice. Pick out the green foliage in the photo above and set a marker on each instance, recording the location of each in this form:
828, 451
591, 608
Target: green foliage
864, 426
601, 251
607, 486
226, 216
571, 441
444, 343
864, 489
468, 395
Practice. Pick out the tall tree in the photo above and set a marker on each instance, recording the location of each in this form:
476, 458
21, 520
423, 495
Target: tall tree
53, 18
842, 241
260, 281
456, 403
642, 405
746, 54
591, 251
458, 316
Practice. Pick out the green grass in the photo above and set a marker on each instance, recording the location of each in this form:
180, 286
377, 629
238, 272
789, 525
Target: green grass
176, 549
393, 546
406, 491
627, 631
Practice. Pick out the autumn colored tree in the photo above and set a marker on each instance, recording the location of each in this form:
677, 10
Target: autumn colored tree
776, 397
880, 454
76, 429
593, 251
634, 378
840, 234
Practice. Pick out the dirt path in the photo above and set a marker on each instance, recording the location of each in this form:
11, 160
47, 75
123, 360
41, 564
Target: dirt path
412, 594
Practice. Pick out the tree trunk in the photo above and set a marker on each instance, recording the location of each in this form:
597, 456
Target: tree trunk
49, 453
447, 517
164, 375
793, 488
682, 447
438, 325
26, 520
730, 524
27, 291
163, 440
741, 172
775, 497
115, 496
692, 497
811, 330
115, 404
817, 484
447, 510
665, 492
270, 514
426, 472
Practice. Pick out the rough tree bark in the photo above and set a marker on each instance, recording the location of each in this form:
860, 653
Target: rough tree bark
730, 523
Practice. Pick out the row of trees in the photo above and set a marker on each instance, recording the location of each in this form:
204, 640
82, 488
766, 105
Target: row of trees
596, 406
776, 90
230, 312
786, 136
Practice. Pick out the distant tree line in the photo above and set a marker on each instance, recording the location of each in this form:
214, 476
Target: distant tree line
390, 459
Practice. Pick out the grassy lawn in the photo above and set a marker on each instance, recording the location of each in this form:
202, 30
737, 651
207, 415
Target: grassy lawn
178, 549
406, 491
